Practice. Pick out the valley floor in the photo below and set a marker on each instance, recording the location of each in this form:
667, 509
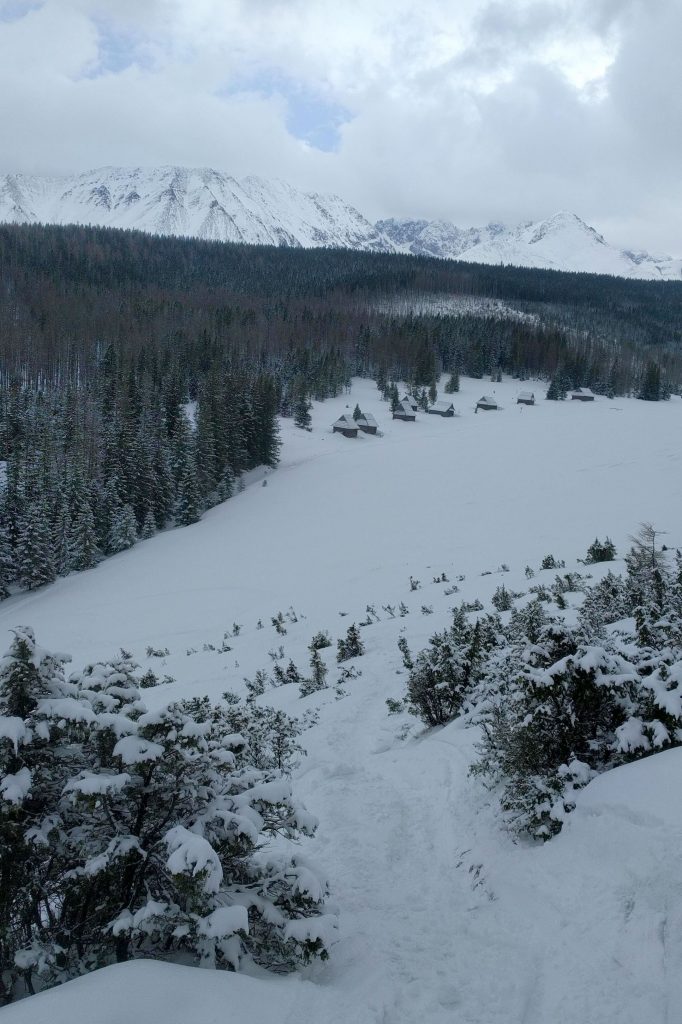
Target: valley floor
443, 918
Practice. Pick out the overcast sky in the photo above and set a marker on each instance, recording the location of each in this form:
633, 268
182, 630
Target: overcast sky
466, 110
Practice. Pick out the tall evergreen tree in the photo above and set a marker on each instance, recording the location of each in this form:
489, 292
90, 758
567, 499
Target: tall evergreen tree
35, 557
83, 550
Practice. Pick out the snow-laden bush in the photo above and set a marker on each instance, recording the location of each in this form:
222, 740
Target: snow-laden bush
566, 707
556, 705
128, 833
350, 646
443, 675
604, 603
601, 551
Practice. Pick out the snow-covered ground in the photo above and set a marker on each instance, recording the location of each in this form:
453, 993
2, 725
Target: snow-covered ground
443, 918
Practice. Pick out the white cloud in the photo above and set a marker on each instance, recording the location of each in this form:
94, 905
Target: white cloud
469, 111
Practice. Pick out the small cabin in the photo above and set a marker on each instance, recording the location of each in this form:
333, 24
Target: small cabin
526, 398
345, 425
411, 402
367, 423
442, 408
404, 411
582, 395
487, 403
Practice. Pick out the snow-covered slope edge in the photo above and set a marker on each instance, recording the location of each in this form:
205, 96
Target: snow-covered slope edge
585, 928
209, 204
443, 917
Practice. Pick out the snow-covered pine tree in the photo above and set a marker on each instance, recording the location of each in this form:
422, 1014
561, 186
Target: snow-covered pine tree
351, 646
604, 603
123, 529
318, 675
82, 540
188, 507
31, 777
601, 551
35, 558
557, 387
6, 559
302, 417
158, 833
148, 527
443, 675
559, 708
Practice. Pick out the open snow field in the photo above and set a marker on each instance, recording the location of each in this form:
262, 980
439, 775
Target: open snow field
442, 917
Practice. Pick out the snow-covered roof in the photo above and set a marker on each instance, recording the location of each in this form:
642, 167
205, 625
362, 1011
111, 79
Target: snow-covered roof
528, 395
346, 421
486, 400
442, 405
582, 393
412, 402
368, 419
406, 407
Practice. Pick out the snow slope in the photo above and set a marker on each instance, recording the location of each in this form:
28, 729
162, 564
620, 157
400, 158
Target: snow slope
209, 204
443, 917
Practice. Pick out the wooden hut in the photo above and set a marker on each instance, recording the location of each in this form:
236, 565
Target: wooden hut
582, 395
404, 411
442, 408
526, 398
367, 423
411, 401
345, 425
487, 403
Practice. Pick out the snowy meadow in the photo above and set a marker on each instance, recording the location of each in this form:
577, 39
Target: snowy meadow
435, 909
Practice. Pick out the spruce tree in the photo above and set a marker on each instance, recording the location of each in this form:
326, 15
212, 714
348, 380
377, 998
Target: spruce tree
556, 390
148, 527
188, 507
302, 417
6, 557
318, 675
351, 646
83, 550
123, 530
650, 390
35, 557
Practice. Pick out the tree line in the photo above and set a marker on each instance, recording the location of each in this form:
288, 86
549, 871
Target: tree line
141, 376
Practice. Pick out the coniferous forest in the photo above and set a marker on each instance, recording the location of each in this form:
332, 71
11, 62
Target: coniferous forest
141, 376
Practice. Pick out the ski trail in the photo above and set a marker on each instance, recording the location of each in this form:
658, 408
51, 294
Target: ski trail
421, 938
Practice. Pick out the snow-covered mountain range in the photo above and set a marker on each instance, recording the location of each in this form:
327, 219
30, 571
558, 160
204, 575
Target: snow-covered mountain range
198, 203
208, 204
562, 242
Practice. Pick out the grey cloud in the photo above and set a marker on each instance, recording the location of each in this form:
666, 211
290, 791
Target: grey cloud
426, 137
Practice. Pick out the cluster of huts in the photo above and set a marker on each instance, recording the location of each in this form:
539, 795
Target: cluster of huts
488, 403
349, 427
407, 410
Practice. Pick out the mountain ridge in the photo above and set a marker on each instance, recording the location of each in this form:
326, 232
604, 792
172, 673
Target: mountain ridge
212, 205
